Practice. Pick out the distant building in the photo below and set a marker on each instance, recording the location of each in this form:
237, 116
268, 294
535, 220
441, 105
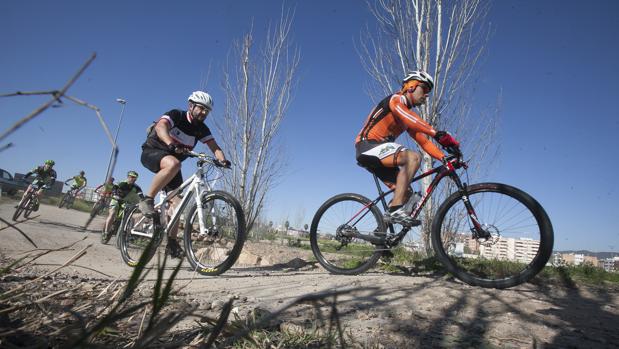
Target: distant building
591, 260
610, 264
521, 250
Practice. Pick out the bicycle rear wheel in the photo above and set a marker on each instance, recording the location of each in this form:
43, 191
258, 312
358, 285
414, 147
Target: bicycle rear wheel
138, 236
217, 248
521, 238
330, 234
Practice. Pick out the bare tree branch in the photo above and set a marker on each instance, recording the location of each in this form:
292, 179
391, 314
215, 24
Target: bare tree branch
258, 89
56, 97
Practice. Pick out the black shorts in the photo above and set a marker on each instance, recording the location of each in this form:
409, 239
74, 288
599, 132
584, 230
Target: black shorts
372, 162
151, 159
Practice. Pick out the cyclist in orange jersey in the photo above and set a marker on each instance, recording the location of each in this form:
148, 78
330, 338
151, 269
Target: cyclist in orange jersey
395, 165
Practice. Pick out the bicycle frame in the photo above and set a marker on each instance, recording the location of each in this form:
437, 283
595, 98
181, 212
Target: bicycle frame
197, 184
446, 170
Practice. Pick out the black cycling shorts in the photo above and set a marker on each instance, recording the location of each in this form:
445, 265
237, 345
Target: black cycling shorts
151, 159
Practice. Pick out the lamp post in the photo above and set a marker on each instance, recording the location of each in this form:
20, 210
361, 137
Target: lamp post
115, 148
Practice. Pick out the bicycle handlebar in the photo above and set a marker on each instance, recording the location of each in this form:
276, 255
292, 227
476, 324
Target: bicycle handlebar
205, 158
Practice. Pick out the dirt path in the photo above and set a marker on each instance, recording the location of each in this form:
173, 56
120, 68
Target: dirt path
396, 310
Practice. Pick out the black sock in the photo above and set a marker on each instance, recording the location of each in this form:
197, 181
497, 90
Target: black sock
394, 208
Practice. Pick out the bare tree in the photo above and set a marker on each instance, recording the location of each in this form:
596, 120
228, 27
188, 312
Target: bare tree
258, 88
444, 39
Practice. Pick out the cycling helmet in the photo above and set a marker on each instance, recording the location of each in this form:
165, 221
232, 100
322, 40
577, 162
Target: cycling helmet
132, 174
202, 98
50, 162
82, 173
419, 76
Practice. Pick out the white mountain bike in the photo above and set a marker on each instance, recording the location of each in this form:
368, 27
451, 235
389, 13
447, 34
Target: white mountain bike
213, 223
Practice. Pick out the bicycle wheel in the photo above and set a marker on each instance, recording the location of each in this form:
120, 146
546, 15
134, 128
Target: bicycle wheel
20, 208
521, 236
330, 234
106, 235
217, 248
29, 206
138, 236
96, 208
64, 200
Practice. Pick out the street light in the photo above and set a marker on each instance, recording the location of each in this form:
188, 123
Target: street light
115, 147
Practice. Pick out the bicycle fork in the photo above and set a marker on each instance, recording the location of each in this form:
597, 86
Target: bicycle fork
478, 231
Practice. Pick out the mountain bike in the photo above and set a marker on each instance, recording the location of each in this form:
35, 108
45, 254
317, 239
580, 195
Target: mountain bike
118, 222
102, 203
28, 203
488, 234
213, 223
68, 198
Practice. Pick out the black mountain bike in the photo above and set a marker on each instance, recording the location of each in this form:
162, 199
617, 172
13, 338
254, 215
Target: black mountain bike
68, 198
118, 223
488, 234
102, 203
27, 204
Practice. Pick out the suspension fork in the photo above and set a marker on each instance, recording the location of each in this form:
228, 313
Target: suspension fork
199, 208
477, 229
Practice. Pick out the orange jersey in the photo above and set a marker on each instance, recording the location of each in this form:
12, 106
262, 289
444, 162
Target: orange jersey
390, 118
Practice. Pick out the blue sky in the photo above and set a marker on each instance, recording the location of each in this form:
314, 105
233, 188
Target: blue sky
554, 61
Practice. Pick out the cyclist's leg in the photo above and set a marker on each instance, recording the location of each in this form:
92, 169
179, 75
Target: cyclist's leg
165, 166
111, 214
173, 248
169, 168
408, 163
393, 164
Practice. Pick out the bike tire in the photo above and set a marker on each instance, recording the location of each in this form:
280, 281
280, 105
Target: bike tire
105, 235
28, 210
95, 210
217, 250
134, 245
352, 256
518, 253
20, 208
63, 201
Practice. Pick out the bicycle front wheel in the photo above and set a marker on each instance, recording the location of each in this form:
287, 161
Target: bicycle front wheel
520, 242
216, 249
332, 230
135, 237
20, 207
64, 201
96, 208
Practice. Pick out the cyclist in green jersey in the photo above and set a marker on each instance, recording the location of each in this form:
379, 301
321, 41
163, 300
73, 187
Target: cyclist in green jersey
79, 182
120, 193
106, 188
45, 178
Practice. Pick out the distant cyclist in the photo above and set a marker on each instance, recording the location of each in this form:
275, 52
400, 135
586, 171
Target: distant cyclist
173, 135
391, 162
105, 189
45, 177
79, 182
120, 192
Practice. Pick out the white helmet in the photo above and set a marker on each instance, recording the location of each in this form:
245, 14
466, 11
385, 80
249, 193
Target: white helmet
203, 98
420, 76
